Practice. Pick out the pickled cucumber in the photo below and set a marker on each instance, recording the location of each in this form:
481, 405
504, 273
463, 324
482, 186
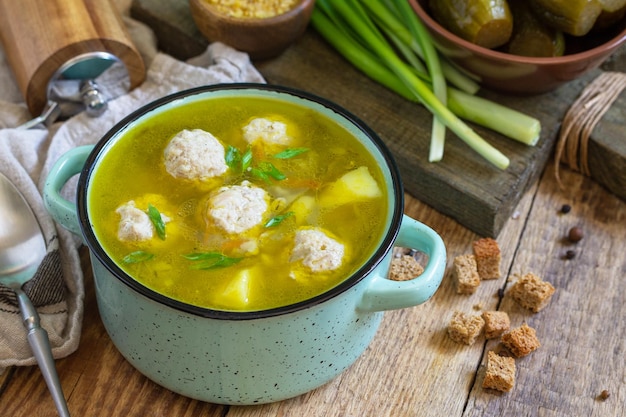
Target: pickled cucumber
612, 5
612, 12
530, 36
575, 17
487, 23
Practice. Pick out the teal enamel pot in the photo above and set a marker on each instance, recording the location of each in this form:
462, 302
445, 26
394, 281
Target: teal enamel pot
247, 357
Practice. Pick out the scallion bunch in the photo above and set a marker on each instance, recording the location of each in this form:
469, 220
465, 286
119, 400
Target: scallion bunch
387, 42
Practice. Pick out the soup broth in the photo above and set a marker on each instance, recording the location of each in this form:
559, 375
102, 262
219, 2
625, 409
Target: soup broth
320, 183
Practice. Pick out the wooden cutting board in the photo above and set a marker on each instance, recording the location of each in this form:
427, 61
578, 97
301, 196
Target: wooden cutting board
463, 185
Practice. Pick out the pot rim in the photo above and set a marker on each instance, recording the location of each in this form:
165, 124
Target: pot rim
97, 250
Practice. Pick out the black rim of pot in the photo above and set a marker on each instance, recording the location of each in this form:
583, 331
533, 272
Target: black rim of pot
385, 246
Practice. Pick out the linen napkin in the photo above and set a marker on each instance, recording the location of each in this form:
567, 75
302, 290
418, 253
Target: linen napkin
26, 157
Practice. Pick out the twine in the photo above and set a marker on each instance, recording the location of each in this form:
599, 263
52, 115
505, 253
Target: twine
573, 143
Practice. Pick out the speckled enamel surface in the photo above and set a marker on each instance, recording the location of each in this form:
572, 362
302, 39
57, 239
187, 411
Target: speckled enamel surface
235, 361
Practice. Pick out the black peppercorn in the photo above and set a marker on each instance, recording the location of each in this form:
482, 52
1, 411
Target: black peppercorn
575, 234
570, 254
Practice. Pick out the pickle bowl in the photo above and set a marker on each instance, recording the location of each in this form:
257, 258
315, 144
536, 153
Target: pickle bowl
523, 75
260, 37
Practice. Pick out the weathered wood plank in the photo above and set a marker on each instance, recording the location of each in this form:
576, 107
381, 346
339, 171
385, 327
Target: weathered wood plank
463, 186
173, 26
582, 330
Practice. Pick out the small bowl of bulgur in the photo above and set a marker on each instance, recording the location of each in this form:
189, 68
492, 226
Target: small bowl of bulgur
262, 28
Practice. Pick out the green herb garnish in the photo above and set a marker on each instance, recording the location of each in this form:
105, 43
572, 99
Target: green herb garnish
276, 220
290, 153
232, 157
246, 160
157, 221
210, 260
272, 171
137, 256
266, 170
244, 163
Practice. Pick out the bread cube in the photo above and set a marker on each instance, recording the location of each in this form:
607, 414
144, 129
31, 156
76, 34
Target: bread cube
465, 276
465, 328
404, 268
521, 341
487, 254
532, 292
500, 373
496, 323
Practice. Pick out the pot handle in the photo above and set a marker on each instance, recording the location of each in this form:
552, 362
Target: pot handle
63, 211
385, 294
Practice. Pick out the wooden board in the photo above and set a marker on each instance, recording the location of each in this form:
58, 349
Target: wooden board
463, 186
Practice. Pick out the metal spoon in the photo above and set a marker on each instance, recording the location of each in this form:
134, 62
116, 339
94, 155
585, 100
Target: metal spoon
22, 248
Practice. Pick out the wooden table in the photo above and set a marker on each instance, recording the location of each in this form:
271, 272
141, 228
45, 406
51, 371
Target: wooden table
412, 368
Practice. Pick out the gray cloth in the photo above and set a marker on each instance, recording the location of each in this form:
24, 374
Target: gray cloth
26, 157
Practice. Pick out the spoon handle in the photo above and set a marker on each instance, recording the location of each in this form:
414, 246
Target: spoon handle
40, 344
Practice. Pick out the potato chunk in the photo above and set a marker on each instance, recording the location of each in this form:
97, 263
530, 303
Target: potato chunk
356, 185
237, 292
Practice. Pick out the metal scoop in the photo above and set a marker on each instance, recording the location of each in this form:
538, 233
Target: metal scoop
22, 248
85, 83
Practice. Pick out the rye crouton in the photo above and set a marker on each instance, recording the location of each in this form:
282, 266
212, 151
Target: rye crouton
465, 276
532, 292
521, 341
488, 257
465, 328
496, 323
500, 373
404, 268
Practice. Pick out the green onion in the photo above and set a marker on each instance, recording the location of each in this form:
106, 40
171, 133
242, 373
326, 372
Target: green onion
210, 260
415, 85
290, 153
137, 256
502, 119
266, 170
276, 220
366, 48
233, 158
246, 160
439, 86
157, 221
387, 17
272, 171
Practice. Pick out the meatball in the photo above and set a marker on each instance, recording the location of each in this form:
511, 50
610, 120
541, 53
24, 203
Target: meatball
135, 224
238, 208
195, 154
317, 250
270, 132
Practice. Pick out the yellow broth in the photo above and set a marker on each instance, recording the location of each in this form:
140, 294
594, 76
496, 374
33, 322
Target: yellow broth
133, 169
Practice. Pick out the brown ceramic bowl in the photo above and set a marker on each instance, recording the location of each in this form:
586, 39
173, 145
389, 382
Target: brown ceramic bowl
261, 38
519, 74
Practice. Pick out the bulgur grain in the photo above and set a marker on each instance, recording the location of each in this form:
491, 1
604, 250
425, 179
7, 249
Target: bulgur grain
253, 8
